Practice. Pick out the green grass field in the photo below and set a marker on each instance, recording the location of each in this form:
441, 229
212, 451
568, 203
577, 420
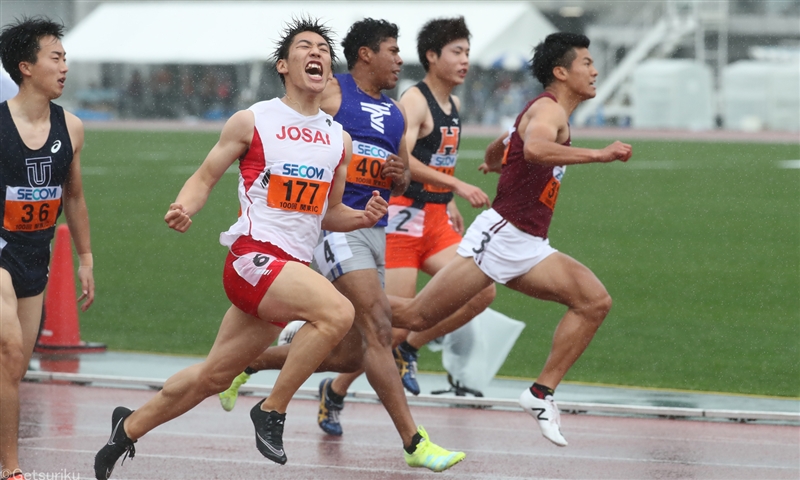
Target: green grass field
696, 242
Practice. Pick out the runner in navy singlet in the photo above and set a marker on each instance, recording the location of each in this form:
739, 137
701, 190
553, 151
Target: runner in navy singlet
40, 176
508, 243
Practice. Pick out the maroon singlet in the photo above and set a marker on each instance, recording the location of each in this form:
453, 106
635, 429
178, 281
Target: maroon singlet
527, 192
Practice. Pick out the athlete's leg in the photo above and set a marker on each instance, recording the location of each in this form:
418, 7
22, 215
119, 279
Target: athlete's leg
328, 317
448, 291
562, 279
402, 283
242, 337
373, 319
19, 324
470, 310
239, 339
346, 357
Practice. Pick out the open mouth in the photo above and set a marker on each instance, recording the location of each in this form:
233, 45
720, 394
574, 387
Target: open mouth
314, 70
62, 81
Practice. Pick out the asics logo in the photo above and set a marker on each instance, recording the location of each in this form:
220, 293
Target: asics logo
271, 448
539, 415
56, 146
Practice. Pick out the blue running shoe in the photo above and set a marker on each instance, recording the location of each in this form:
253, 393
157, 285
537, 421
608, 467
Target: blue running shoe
407, 366
328, 417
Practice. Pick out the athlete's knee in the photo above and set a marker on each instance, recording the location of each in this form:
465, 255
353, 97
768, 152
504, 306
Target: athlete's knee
376, 323
337, 317
212, 380
13, 359
597, 306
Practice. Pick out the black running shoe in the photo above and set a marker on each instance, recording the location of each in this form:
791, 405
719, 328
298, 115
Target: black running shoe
269, 433
118, 444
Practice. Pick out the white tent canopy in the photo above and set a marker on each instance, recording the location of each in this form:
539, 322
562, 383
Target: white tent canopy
503, 33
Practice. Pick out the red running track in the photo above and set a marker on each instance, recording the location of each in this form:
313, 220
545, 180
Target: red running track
62, 427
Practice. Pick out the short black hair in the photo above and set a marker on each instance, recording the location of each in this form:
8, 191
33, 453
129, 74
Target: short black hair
557, 50
437, 33
300, 25
19, 42
368, 32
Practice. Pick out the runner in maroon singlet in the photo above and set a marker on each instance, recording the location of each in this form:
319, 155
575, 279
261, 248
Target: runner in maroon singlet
508, 243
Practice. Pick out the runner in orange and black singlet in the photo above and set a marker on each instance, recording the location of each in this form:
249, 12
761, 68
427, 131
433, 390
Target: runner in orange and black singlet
419, 225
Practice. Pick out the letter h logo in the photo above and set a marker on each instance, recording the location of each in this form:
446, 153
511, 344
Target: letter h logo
449, 143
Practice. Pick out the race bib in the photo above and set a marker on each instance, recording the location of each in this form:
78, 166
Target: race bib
366, 165
332, 250
30, 209
305, 195
445, 164
550, 193
253, 266
406, 221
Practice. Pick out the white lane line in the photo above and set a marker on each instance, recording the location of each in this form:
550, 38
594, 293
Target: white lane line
601, 458
238, 461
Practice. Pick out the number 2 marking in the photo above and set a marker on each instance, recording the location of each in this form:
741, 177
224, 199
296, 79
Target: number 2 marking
399, 227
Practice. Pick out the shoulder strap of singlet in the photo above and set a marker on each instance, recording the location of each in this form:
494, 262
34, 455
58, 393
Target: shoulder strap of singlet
432, 102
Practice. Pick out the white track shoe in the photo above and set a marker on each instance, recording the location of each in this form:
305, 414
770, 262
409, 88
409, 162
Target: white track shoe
287, 334
546, 414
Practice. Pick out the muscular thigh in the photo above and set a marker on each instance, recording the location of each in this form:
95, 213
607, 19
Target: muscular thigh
298, 292
10, 329
559, 278
436, 262
19, 317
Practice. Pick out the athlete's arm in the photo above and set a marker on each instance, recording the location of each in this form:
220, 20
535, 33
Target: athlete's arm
76, 212
340, 217
544, 124
493, 157
233, 143
416, 108
396, 166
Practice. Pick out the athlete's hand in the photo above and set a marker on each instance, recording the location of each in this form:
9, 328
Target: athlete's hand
393, 168
616, 151
455, 217
86, 277
474, 195
177, 218
375, 209
487, 167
